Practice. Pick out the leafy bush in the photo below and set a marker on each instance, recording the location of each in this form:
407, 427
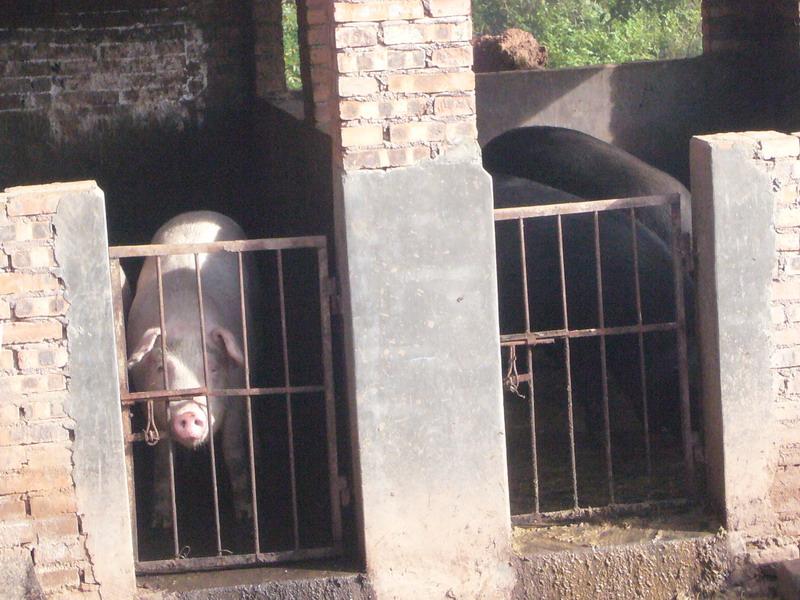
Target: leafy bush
291, 49
585, 32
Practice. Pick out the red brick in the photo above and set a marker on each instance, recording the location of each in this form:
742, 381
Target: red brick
49, 553
20, 332
357, 86
32, 384
34, 203
355, 109
57, 527
45, 306
5, 309
12, 508
436, 82
6, 360
13, 458
406, 59
9, 413
459, 56
454, 105
417, 131
51, 579
16, 532
374, 59
36, 257
33, 433
55, 503
426, 33
386, 157
356, 36
367, 135
35, 358
377, 11
34, 479
459, 132
15, 283
447, 8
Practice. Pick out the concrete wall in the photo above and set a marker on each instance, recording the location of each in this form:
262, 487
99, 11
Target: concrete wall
650, 109
64, 524
746, 196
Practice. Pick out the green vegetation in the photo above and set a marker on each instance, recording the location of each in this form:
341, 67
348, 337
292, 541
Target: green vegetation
576, 32
291, 51
585, 32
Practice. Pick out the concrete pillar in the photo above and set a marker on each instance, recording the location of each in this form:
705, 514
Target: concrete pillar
394, 89
747, 242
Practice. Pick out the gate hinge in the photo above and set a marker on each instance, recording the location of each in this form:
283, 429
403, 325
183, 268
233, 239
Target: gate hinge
334, 296
344, 491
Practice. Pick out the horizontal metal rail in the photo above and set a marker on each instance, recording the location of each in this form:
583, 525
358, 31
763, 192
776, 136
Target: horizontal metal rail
206, 563
288, 243
590, 206
165, 395
547, 337
600, 512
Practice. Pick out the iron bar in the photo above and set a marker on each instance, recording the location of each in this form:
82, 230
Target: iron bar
570, 419
288, 243
287, 383
248, 406
164, 395
535, 338
683, 353
640, 336
204, 563
603, 366
204, 350
163, 324
325, 291
529, 359
572, 208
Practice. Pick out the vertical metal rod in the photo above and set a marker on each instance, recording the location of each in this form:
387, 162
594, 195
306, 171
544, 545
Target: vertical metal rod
207, 384
683, 372
248, 406
287, 379
529, 355
603, 365
570, 420
127, 412
325, 291
162, 322
642, 370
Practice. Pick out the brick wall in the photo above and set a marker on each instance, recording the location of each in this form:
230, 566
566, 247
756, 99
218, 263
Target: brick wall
397, 88
162, 59
744, 25
38, 512
269, 63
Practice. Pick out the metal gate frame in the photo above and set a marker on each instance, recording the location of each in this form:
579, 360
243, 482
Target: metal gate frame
528, 339
130, 399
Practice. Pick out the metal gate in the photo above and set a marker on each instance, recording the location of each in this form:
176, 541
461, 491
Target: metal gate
521, 344
287, 394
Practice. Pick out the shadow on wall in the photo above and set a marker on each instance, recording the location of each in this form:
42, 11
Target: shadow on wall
265, 169
650, 109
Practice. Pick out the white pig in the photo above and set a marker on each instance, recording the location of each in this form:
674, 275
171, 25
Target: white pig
188, 421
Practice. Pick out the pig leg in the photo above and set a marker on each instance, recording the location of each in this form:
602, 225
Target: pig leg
234, 448
162, 502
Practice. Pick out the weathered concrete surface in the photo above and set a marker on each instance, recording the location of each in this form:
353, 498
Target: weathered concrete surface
276, 583
735, 246
17, 577
417, 267
650, 109
667, 565
93, 400
789, 579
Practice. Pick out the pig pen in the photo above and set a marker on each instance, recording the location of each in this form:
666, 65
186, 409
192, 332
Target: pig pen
609, 424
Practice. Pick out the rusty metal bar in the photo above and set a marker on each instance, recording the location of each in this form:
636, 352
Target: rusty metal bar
248, 407
600, 512
683, 353
572, 208
289, 243
122, 374
163, 324
603, 366
162, 395
287, 383
204, 563
529, 357
570, 420
204, 350
642, 367
325, 292
535, 338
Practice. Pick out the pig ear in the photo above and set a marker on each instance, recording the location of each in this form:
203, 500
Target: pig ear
145, 345
228, 342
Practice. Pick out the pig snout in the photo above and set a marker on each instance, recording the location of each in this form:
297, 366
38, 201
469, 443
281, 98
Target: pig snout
190, 426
